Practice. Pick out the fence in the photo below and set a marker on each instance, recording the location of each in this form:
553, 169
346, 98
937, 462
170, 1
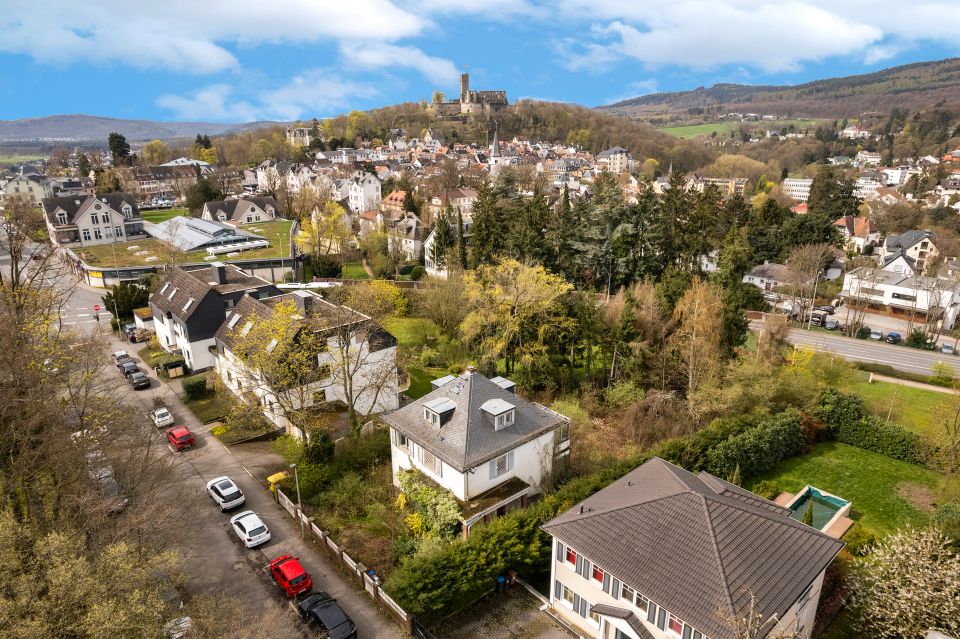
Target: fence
369, 583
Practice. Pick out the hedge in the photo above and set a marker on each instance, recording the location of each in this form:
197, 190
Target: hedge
848, 422
194, 387
758, 449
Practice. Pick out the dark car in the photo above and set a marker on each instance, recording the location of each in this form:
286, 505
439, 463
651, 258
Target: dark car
832, 325
128, 367
139, 380
123, 359
828, 309
322, 611
893, 338
128, 329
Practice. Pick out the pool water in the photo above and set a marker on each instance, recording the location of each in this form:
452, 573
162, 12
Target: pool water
823, 509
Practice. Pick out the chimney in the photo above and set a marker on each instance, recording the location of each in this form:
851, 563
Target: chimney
218, 272
304, 302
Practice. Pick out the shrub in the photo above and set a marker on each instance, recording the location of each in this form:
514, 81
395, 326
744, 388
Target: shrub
873, 433
429, 356
219, 430
863, 332
438, 508
859, 540
319, 448
947, 517
943, 374
416, 273
194, 387
768, 489
839, 410
622, 394
326, 266
758, 449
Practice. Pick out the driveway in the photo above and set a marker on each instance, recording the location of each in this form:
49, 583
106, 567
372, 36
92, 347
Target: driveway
213, 557
514, 613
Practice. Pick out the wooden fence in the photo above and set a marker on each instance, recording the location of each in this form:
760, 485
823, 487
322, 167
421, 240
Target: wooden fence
369, 583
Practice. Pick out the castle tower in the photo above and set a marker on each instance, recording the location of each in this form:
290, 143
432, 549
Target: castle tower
464, 87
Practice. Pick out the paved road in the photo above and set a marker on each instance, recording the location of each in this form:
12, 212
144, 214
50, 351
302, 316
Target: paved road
858, 350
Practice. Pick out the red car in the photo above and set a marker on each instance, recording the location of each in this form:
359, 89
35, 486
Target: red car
290, 575
180, 438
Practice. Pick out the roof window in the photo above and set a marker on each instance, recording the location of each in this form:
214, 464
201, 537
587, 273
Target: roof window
233, 320
164, 288
246, 329
188, 304
172, 293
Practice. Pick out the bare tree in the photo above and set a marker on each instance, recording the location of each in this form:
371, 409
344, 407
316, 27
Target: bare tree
858, 298
804, 266
752, 623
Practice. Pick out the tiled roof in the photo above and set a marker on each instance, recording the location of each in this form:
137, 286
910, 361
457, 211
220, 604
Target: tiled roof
468, 438
76, 205
236, 208
696, 545
907, 239
197, 284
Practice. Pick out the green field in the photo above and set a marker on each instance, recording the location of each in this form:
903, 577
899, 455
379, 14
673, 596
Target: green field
411, 332
20, 159
354, 271
887, 494
161, 215
724, 128
913, 408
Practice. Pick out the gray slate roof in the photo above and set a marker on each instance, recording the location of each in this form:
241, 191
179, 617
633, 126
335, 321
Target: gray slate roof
907, 239
468, 437
622, 613
75, 205
197, 284
696, 545
235, 209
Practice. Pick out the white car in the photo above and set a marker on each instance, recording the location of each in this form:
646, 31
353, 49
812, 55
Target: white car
225, 492
162, 417
250, 529
116, 356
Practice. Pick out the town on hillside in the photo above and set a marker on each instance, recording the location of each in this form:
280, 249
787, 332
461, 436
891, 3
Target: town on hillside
472, 368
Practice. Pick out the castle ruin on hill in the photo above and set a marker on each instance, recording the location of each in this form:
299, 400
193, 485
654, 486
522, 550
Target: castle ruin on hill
473, 102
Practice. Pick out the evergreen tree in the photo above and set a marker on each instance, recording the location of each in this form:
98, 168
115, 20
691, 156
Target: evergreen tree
200, 193
488, 232
441, 241
831, 195
410, 203
560, 234
461, 241
668, 223
83, 165
119, 148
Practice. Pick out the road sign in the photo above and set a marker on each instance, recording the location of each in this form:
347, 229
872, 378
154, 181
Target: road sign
96, 307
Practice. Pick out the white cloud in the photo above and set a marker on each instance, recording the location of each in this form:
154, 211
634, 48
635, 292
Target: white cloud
315, 92
377, 56
633, 90
760, 34
189, 35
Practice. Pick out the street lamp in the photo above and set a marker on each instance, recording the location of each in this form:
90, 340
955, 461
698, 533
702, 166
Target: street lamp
296, 479
813, 300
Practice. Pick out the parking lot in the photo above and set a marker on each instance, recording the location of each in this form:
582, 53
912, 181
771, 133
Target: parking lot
213, 557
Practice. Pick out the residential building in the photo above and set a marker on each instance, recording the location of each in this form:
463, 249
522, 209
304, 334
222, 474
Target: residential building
866, 158
768, 276
854, 132
797, 188
478, 439
865, 188
905, 294
431, 267
726, 187
406, 236
616, 160
371, 360
31, 186
241, 211
858, 232
392, 205
190, 306
917, 245
168, 181
459, 199
364, 193
665, 554
86, 220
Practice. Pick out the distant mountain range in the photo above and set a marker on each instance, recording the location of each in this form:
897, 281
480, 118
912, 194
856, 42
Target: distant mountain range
88, 128
913, 87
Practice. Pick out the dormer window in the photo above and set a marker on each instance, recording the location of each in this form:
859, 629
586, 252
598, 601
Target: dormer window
437, 411
61, 218
503, 412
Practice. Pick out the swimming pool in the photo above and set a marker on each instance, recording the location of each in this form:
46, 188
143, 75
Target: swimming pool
827, 508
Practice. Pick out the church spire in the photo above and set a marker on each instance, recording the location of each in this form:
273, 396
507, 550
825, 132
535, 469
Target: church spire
495, 147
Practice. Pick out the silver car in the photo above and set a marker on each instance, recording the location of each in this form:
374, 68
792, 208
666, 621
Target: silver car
250, 529
225, 492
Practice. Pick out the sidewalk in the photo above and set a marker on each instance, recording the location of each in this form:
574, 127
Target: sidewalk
877, 377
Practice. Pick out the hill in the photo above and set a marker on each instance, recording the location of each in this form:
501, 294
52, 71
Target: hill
86, 128
912, 87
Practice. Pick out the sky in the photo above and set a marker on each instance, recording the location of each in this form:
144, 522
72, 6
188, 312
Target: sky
245, 60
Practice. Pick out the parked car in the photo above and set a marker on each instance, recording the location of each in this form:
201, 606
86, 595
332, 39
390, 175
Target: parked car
128, 368
290, 575
138, 380
893, 338
250, 529
225, 492
877, 335
180, 438
128, 329
116, 356
947, 349
832, 325
827, 308
818, 318
324, 613
162, 417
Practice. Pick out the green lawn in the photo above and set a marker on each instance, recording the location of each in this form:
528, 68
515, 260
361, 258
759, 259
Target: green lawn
912, 408
724, 128
212, 407
870, 480
420, 379
161, 215
411, 331
354, 271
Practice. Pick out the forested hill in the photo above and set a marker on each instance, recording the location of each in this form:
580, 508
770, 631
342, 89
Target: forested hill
84, 128
911, 87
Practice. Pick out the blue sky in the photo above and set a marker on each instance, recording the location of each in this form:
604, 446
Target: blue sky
240, 60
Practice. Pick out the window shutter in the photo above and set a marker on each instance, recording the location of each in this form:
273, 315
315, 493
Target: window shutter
606, 582
583, 607
697, 634
559, 551
510, 461
586, 569
661, 619
557, 590
576, 603
652, 612
615, 588
578, 568
686, 631
493, 469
